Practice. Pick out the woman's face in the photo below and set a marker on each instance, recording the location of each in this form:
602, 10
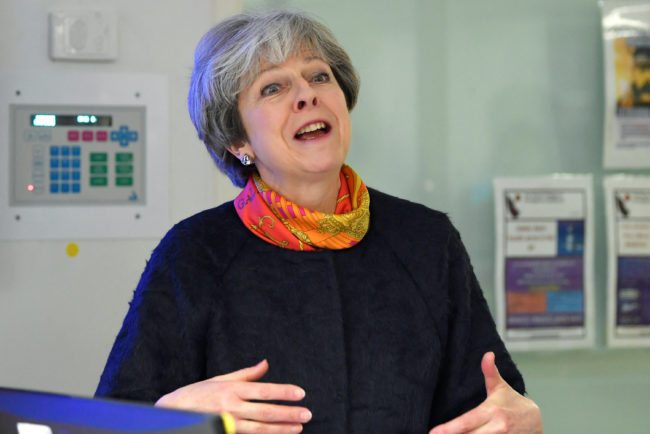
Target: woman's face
297, 122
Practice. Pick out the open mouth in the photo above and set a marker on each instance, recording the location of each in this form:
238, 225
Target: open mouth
313, 131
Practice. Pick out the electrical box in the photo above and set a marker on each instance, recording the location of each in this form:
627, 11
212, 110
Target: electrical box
77, 154
83, 156
80, 34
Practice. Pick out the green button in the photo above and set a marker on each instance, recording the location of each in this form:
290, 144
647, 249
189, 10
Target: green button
124, 169
98, 156
98, 181
98, 169
124, 181
124, 157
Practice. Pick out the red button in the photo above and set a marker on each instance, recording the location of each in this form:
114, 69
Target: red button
102, 136
73, 136
87, 136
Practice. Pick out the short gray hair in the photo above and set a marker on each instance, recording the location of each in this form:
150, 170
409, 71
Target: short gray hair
227, 60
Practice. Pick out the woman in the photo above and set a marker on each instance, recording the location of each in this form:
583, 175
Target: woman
312, 302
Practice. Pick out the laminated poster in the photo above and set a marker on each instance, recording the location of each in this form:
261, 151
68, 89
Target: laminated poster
628, 269
544, 271
626, 44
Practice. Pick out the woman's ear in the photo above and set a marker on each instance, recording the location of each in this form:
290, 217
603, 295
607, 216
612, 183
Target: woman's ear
239, 149
243, 152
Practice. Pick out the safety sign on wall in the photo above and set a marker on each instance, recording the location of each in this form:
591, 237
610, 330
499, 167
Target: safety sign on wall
544, 247
627, 201
626, 43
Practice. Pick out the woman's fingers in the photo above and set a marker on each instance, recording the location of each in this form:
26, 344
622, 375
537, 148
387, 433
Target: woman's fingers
269, 391
244, 426
491, 373
234, 396
504, 409
262, 412
239, 394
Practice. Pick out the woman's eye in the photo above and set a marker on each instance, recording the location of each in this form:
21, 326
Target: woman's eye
270, 89
321, 77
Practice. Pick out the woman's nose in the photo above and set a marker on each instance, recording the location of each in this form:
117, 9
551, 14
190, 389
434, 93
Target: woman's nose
305, 97
302, 103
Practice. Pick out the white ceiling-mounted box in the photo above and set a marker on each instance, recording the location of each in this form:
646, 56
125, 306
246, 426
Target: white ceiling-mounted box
76, 34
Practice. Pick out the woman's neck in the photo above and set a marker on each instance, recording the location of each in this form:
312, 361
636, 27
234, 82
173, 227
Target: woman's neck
318, 195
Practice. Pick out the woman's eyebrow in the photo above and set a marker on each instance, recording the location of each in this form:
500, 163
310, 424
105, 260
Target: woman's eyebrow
268, 68
306, 59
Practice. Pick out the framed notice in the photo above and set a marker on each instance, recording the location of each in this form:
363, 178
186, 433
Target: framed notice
544, 256
626, 44
627, 201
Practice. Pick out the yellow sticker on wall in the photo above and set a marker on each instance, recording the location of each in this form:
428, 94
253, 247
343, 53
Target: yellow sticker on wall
72, 250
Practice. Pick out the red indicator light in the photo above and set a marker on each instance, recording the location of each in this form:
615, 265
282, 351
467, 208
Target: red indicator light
30, 187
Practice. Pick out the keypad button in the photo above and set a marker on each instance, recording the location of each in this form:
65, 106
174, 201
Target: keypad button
54, 163
54, 188
124, 136
65, 188
102, 136
76, 175
124, 181
98, 181
124, 169
98, 157
87, 136
65, 176
76, 187
73, 136
30, 136
54, 175
65, 151
76, 163
123, 157
98, 169
76, 151
54, 151
65, 163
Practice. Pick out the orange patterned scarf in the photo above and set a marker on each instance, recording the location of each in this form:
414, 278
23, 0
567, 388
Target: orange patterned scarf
278, 221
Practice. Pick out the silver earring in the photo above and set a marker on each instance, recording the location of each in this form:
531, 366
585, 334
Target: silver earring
246, 160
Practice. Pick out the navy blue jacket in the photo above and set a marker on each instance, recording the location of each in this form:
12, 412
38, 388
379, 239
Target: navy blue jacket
385, 337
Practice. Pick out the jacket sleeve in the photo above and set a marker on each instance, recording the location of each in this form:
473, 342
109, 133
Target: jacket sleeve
160, 346
469, 332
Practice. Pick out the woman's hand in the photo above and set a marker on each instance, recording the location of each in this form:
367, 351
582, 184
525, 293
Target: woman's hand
504, 410
234, 392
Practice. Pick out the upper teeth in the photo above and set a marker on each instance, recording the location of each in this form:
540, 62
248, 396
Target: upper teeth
311, 127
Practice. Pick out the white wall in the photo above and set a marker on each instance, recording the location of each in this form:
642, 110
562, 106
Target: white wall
456, 92
59, 315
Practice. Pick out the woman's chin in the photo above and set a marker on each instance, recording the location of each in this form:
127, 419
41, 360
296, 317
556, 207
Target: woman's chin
323, 167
